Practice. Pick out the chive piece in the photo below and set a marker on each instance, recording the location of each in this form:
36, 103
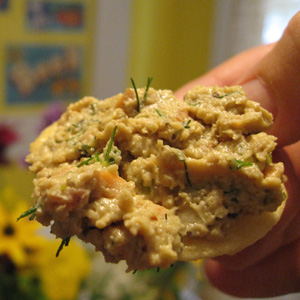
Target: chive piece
194, 104
134, 271
31, 211
187, 124
139, 104
137, 95
110, 144
85, 162
269, 159
64, 242
93, 109
216, 95
238, 164
160, 113
182, 158
146, 90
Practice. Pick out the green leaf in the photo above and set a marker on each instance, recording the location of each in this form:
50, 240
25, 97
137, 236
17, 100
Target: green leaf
64, 242
30, 212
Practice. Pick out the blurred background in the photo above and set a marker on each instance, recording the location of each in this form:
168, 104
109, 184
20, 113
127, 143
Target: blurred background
53, 52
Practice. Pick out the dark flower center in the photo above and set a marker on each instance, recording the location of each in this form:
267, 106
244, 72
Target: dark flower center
9, 230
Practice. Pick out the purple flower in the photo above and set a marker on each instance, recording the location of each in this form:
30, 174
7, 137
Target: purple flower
52, 114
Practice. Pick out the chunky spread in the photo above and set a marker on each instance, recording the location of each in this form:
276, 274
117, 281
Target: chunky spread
152, 179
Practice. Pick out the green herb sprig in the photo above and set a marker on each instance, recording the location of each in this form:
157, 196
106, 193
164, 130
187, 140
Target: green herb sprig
110, 144
65, 242
238, 164
187, 124
216, 95
160, 113
87, 161
182, 158
139, 103
30, 212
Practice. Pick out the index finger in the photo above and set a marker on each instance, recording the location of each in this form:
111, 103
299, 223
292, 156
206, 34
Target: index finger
229, 72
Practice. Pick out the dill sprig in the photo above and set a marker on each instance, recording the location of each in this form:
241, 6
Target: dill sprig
110, 144
64, 242
31, 211
138, 102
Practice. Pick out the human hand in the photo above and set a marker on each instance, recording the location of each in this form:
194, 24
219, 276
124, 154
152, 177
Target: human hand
270, 75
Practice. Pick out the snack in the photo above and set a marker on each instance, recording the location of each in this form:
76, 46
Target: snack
153, 179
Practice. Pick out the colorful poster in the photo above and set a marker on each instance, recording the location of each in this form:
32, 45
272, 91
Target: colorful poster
42, 73
51, 15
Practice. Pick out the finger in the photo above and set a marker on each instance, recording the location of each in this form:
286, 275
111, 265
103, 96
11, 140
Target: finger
230, 71
275, 80
276, 275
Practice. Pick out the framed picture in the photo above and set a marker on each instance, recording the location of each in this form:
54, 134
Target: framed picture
55, 15
43, 73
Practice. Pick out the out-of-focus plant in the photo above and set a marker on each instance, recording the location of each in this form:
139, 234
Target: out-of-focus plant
28, 266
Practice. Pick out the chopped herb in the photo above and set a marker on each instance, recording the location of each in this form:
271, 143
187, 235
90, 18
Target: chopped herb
194, 104
140, 104
110, 144
238, 164
216, 95
87, 161
160, 113
31, 211
166, 217
63, 187
284, 194
85, 149
158, 269
93, 108
64, 242
134, 271
181, 157
269, 159
136, 95
147, 88
187, 124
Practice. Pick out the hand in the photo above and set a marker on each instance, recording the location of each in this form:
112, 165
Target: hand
269, 75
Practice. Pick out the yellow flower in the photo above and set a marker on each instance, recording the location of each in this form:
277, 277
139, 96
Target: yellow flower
61, 276
18, 240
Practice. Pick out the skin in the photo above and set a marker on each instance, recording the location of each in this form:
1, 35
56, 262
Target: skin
270, 75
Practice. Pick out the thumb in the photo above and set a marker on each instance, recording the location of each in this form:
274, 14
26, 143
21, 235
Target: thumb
275, 82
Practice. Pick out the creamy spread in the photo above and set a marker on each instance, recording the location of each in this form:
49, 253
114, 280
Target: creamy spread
154, 185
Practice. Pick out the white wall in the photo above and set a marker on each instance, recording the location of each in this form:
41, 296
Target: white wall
111, 47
